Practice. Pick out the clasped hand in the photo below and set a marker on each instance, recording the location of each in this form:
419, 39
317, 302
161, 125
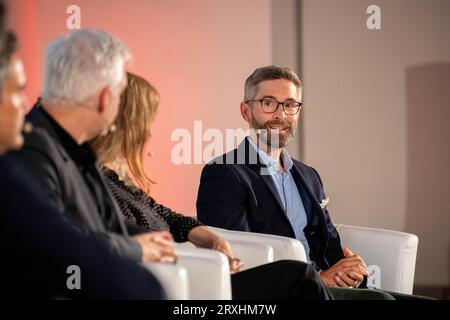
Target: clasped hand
347, 272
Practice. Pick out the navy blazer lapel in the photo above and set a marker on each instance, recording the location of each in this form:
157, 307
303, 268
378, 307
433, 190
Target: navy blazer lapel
316, 219
253, 161
309, 201
306, 199
268, 181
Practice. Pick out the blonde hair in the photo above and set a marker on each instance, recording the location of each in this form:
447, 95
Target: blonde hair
124, 146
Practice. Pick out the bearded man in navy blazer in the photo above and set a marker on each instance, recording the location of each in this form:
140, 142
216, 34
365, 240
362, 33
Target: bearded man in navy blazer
258, 187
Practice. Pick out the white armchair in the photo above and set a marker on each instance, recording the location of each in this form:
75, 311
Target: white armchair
389, 255
204, 274
198, 274
245, 246
173, 279
208, 273
283, 247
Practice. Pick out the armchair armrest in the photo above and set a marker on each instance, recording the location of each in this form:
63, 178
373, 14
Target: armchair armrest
389, 255
208, 273
252, 253
173, 279
283, 247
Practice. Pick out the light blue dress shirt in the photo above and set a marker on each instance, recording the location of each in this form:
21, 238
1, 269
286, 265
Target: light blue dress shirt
287, 189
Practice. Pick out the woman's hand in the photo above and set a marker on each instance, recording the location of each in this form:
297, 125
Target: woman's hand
205, 238
222, 245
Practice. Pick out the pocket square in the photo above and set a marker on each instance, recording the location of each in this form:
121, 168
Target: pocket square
324, 202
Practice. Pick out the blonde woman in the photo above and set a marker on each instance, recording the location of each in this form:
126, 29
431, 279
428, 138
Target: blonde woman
120, 153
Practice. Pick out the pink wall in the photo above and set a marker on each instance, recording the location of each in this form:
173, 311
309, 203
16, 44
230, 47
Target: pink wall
22, 17
197, 53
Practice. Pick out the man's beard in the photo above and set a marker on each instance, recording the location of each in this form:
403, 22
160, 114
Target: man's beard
272, 137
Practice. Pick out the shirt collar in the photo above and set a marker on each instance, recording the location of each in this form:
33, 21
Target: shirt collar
269, 161
82, 154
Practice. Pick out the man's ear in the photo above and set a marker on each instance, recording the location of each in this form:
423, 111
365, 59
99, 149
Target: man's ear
104, 99
245, 111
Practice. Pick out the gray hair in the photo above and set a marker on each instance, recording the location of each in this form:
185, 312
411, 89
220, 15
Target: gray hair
80, 64
269, 73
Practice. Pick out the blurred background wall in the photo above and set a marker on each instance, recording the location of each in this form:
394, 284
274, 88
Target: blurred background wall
377, 118
377, 109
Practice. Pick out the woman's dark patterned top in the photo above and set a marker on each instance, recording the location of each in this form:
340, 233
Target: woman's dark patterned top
144, 211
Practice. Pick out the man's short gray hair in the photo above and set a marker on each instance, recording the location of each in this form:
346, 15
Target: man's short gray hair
269, 73
80, 64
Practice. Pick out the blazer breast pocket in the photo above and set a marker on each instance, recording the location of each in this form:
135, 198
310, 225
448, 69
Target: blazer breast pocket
323, 204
